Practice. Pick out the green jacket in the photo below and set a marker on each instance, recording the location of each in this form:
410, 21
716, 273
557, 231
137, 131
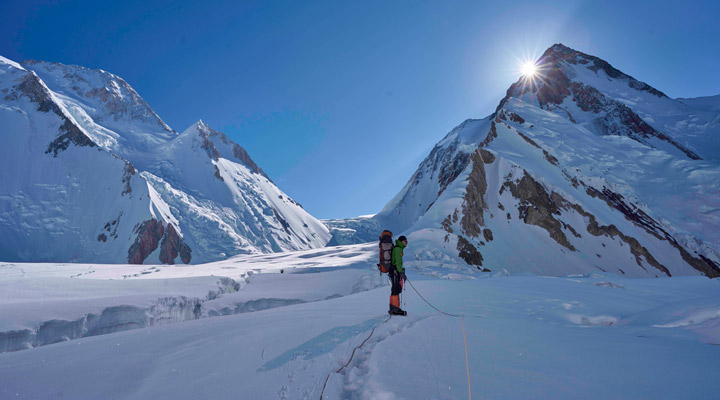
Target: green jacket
397, 255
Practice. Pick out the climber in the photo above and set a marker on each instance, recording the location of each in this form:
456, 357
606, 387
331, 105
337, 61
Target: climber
397, 276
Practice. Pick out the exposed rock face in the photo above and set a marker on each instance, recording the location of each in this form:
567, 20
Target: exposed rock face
617, 118
612, 231
148, 237
117, 98
209, 147
537, 207
217, 174
71, 134
486, 156
492, 134
559, 53
641, 219
516, 118
127, 175
632, 213
152, 233
242, 155
487, 234
206, 133
172, 245
475, 205
614, 117
449, 160
468, 252
452, 170
35, 90
447, 224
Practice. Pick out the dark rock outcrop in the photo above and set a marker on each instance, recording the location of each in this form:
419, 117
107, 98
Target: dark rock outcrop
537, 207
32, 87
242, 155
641, 219
217, 174
492, 134
487, 234
474, 205
206, 135
468, 252
486, 156
639, 251
148, 237
447, 224
172, 245
152, 233
128, 172
618, 119
614, 117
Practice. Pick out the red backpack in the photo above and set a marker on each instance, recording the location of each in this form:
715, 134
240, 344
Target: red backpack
386, 246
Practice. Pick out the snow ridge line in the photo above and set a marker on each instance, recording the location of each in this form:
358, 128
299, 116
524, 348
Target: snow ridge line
351, 356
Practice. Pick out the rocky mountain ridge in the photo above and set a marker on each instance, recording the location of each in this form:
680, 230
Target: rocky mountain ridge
581, 168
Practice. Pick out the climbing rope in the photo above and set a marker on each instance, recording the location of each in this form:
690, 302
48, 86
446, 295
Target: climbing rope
461, 316
467, 363
351, 357
428, 303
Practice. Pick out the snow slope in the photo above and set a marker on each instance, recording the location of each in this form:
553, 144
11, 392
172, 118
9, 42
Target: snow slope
78, 139
581, 169
585, 336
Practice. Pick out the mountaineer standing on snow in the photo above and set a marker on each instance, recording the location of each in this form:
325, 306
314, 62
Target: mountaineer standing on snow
397, 276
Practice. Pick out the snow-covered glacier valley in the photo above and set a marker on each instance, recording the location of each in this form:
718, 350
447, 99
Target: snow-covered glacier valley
44, 304
311, 324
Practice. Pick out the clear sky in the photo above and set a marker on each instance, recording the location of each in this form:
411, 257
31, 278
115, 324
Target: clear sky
339, 101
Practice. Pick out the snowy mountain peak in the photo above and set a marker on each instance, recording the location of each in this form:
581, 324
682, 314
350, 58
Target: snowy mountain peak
93, 174
582, 168
561, 56
217, 145
10, 63
590, 91
106, 106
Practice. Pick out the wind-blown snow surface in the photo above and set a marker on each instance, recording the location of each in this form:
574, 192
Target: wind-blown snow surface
586, 336
91, 174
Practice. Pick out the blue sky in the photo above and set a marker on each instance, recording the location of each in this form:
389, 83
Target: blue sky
340, 101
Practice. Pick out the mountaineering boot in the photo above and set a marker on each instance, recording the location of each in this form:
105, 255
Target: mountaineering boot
396, 311
395, 306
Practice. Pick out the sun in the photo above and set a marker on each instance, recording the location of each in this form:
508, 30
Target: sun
529, 69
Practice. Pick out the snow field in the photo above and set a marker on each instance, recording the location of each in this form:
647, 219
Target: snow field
582, 336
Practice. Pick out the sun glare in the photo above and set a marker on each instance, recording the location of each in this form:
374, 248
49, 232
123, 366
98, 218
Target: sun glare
529, 69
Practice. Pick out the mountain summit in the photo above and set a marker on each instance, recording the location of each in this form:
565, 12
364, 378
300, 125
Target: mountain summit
92, 174
581, 168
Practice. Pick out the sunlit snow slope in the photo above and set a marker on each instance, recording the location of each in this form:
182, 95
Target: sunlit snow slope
91, 174
580, 169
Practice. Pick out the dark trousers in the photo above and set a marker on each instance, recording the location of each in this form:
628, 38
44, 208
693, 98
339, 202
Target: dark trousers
396, 282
